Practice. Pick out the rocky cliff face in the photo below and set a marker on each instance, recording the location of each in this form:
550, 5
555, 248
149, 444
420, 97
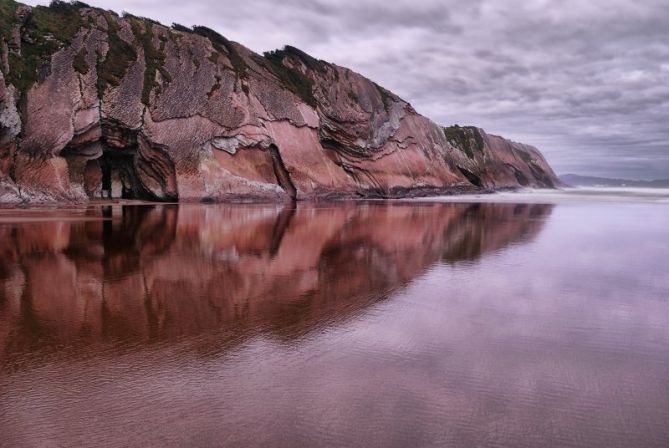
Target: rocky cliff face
95, 104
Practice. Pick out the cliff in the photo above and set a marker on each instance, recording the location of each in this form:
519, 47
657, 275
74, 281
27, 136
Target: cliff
95, 104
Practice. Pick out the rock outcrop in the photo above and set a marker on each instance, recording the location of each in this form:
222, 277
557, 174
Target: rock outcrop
93, 104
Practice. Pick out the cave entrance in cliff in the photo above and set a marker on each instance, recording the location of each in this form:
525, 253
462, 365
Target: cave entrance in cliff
106, 187
113, 176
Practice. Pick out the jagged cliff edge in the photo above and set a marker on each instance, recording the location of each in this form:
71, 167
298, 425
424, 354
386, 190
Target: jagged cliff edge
94, 104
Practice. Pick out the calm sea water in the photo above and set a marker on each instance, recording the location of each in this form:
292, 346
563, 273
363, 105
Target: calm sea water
406, 324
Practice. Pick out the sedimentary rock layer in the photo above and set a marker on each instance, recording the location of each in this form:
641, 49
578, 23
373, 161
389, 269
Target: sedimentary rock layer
93, 104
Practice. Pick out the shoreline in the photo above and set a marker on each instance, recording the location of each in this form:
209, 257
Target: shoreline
330, 197
573, 195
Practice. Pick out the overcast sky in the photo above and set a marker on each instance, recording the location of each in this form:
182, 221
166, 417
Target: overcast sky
585, 81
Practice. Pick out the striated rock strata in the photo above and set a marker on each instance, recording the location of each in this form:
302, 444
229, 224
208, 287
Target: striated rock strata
93, 104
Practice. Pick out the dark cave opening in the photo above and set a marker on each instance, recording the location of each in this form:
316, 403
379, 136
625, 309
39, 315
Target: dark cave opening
112, 175
106, 182
119, 179
121, 164
136, 171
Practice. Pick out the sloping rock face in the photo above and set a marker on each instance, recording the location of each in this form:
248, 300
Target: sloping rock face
97, 105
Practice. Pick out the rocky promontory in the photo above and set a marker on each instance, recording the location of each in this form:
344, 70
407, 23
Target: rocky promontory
93, 104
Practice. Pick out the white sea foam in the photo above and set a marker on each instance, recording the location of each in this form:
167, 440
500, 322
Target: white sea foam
580, 194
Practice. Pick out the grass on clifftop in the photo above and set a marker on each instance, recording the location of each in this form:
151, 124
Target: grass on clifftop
45, 31
386, 95
113, 67
223, 45
62, 20
48, 28
291, 78
311, 62
154, 57
7, 17
468, 139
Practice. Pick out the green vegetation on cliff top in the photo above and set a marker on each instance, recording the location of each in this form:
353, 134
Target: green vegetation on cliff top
292, 78
113, 66
7, 13
309, 61
468, 139
154, 57
45, 30
223, 45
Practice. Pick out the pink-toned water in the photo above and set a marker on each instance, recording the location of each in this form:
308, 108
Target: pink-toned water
418, 324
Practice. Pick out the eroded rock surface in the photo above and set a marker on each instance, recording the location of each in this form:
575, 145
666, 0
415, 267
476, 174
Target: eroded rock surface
97, 105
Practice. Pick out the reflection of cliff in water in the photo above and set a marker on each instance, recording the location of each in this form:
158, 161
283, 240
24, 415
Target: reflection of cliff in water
151, 273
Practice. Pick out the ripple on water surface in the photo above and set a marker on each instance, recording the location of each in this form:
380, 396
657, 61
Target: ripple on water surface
403, 324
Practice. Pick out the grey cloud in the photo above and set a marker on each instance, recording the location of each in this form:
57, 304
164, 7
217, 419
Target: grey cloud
587, 82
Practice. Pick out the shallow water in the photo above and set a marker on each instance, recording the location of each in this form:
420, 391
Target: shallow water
565, 195
405, 324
